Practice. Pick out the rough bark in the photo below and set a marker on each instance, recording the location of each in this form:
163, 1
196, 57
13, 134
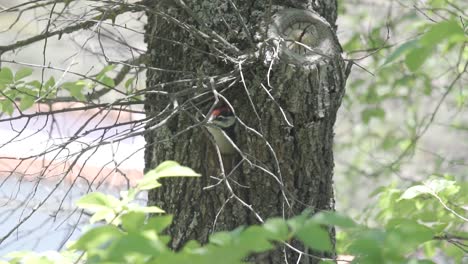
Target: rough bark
284, 169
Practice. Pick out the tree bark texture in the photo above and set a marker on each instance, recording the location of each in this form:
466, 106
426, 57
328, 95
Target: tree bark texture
286, 114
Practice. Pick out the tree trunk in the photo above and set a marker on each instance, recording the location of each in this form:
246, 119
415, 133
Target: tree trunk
284, 95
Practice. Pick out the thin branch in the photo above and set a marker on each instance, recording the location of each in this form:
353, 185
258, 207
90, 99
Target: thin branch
84, 25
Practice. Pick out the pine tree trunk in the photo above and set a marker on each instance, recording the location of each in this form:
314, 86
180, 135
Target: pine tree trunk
287, 107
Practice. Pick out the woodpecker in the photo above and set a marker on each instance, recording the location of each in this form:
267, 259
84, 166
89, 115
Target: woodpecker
222, 120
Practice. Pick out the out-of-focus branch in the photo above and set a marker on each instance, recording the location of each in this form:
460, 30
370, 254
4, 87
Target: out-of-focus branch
106, 14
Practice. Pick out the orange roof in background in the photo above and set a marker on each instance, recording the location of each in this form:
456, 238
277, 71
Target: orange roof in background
99, 168
33, 170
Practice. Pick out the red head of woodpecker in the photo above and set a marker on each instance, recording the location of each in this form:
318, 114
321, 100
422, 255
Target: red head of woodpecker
221, 126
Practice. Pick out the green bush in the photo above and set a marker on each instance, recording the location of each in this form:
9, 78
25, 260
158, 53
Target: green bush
422, 218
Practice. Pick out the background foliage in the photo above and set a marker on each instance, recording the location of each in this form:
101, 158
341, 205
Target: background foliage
412, 219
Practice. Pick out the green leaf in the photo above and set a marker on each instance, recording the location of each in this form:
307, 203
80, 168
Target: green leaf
178, 171
49, 84
109, 82
277, 227
166, 165
439, 3
415, 191
35, 85
95, 237
23, 73
191, 245
104, 79
170, 169
353, 44
416, 58
334, 219
98, 201
159, 223
298, 222
75, 89
368, 243
6, 76
412, 233
221, 238
104, 71
104, 213
26, 102
420, 261
19, 254
255, 239
401, 50
389, 142
149, 209
30, 257
377, 191
128, 195
129, 82
315, 236
132, 245
147, 184
7, 106
439, 185
445, 30
369, 113
133, 221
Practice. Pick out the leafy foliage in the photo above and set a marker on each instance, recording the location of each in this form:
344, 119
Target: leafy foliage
16, 93
432, 212
413, 221
403, 103
14, 88
410, 223
416, 51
